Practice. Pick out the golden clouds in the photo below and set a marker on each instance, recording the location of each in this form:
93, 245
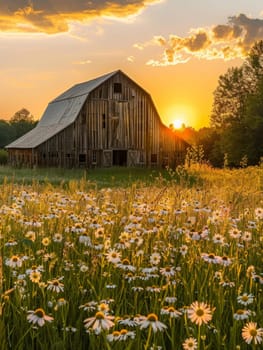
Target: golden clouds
54, 16
223, 41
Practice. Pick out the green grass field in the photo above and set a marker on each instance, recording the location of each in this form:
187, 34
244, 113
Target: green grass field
129, 259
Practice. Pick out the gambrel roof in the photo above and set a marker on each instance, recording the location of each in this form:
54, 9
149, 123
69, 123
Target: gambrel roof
60, 113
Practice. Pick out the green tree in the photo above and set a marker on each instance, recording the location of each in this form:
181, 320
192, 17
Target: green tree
22, 122
237, 113
7, 133
229, 98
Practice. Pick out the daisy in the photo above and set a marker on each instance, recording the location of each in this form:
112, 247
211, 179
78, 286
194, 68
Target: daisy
190, 344
114, 336
31, 235
45, 241
251, 333
259, 213
103, 307
35, 276
152, 320
90, 306
99, 233
153, 289
11, 242
245, 299
125, 334
57, 237
183, 249
170, 311
55, 286
155, 258
210, 258
126, 266
35, 268
167, 271
242, 314
14, 261
224, 260
38, 317
113, 256
218, 239
99, 322
127, 321
85, 239
199, 313
246, 236
83, 268
235, 233
170, 299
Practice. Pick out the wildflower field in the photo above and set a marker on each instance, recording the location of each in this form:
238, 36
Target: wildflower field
171, 264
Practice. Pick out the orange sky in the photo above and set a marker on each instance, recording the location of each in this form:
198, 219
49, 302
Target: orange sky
175, 50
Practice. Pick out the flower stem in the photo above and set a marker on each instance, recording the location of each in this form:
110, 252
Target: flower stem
148, 338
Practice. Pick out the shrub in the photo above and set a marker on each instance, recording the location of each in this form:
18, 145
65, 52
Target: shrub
3, 157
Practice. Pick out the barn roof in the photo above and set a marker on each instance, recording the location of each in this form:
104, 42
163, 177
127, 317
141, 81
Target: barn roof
60, 113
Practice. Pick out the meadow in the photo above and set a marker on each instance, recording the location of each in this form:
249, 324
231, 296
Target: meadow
131, 259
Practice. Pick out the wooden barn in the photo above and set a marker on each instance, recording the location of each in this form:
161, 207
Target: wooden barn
107, 121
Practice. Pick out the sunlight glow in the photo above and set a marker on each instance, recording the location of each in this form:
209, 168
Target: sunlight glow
178, 123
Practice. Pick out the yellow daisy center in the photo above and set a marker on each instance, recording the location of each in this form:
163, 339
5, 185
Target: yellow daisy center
253, 332
171, 309
39, 313
152, 318
99, 315
115, 333
240, 312
199, 312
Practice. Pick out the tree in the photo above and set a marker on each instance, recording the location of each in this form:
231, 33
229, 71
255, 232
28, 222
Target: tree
7, 133
22, 122
237, 112
229, 98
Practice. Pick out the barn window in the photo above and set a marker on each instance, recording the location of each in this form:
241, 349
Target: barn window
94, 157
117, 88
82, 158
103, 121
153, 158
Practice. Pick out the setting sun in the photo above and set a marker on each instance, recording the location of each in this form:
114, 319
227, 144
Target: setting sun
178, 123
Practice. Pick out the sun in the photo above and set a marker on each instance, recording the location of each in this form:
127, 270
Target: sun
178, 123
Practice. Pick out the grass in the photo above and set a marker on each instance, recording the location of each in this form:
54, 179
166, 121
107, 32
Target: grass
121, 258
100, 177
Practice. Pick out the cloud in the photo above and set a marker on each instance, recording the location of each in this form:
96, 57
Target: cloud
55, 16
223, 41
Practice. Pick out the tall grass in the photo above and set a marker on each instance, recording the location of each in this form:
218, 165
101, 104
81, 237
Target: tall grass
124, 266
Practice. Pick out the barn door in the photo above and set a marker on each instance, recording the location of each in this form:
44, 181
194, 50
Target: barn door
132, 158
107, 158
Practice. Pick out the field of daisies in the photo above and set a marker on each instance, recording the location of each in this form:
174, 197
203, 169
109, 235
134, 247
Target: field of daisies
161, 266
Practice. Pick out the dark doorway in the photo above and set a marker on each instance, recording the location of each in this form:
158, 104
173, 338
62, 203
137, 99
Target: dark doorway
120, 158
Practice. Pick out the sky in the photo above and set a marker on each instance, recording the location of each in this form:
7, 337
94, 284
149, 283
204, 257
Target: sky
175, 49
